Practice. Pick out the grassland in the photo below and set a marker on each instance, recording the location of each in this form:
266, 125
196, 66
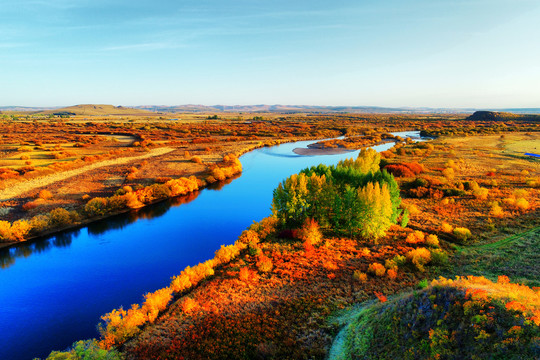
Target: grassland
471, 198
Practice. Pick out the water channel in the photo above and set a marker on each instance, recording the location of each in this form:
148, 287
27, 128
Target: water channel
53, 291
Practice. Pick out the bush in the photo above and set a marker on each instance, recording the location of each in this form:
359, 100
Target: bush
392, 274
448, 173
432, 241
310, 232
522, 204
360, 276
376, 269
226, 253
189, 305
249, 237
447, 228
45, 194
496, 210
419, 257
462, 234
416, 237
481, 193
60, 217
96, 207
264, 264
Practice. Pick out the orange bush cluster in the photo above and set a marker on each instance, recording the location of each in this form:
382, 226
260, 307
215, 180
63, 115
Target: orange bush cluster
230, 167
404, 169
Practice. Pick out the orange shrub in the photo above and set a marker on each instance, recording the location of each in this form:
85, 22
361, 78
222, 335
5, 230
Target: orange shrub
226, 253
447, 228
419, 257
481, 193
245, 274
189, 305
249, 237
496, 210
156, 302
522, 204
196, 159
359, 276
392, 274
416, 237
310, 232
265, 227
45, 194
264, 263
376, 269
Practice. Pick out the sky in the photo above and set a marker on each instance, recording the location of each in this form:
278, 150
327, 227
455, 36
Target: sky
432, 53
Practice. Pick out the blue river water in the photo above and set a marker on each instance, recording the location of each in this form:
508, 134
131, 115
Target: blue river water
53, 291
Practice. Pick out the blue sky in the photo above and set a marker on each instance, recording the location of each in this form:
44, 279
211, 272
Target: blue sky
438, 53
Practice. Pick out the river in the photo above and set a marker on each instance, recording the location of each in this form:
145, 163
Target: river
53, 291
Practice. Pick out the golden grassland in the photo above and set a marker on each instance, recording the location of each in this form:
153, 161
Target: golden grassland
274, 298
271, 294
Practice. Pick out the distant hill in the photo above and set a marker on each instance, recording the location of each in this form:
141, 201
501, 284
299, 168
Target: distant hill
501, 116
292, 109
98, 110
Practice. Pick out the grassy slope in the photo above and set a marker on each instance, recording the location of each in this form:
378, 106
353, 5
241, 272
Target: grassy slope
471, 319
517, 256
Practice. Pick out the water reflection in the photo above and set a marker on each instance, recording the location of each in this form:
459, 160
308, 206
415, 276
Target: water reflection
117, 222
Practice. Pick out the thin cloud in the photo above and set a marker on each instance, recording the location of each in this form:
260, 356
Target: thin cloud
143, 47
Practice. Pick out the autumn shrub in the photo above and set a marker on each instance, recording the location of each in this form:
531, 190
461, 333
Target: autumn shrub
419, 257
392, 274
38, 223
249, 237
496, 210
481, 193
448, 173
196, 159
310, 232
245, 274
399, 260
60, 217
376, 269
360, 276
226, 253
390, 264
180, 283
85, 349
462, 234
264, 263
404, 169
432, 241
522, 204
416, 237
447, 228
45, 195
189, 304
5, 231
156, 302
96, 207
265, 227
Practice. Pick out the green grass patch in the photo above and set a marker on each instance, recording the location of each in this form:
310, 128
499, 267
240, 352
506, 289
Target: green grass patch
516, 256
